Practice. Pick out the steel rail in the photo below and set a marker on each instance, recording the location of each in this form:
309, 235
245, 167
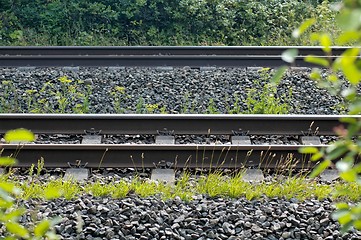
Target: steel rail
179, 123
193, 61
134, 155
162, 50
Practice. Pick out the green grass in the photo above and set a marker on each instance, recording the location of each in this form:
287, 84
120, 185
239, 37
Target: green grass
213, 185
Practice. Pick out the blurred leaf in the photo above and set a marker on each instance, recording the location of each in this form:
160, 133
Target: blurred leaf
332, 77
343, 216
7, 161
14, 215
315, 74
349, 176
304, 26
343, 165
346, 227
348, 67
349, 20
19, 135
348, 37
357, 224
290, 55
5, 196
348, 120
326, 42
310, 150
341, 205
354, 108
277, 76
320, 168
9, 187
41, 228
317, 60
349, 93
17, 229
337, 152
357, 168
317, 156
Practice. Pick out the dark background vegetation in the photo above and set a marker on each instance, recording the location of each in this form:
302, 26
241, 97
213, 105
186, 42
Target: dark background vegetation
157, 22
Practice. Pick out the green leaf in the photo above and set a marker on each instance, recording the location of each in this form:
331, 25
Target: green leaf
308, 150
10, 238
341, 206
346, 227
315, 74
9, 187
349, 20
17, 229
346, 62
320, 168
349, 93
7, 161
14, 215
337, 152
19, 135
304, 26
357, 224
343, 166
343, 216
348, 120
348, 37
290, 55
354, 109
349, 176
317, 60
317, 156
357, 168
41, 228
277, 76
326, 42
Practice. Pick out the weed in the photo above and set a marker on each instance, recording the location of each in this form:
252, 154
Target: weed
212, 108
187, 106
140, 107
118, 95
263, 99
235, 108
9, 101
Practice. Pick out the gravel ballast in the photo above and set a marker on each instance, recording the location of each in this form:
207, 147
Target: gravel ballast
181, 90
202, 218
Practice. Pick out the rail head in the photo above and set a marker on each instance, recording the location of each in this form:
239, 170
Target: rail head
198, 124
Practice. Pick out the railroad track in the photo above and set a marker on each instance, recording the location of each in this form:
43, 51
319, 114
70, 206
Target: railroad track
151, 56
236, 154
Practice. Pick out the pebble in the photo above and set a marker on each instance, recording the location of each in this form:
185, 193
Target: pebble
172, 219
168, 90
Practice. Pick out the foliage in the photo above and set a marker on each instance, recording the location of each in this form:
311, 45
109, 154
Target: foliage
70, 96
10, 213
344, 78
156, 22
213, 184
264, 100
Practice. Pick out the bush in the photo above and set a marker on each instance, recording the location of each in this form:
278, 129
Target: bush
151, 22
